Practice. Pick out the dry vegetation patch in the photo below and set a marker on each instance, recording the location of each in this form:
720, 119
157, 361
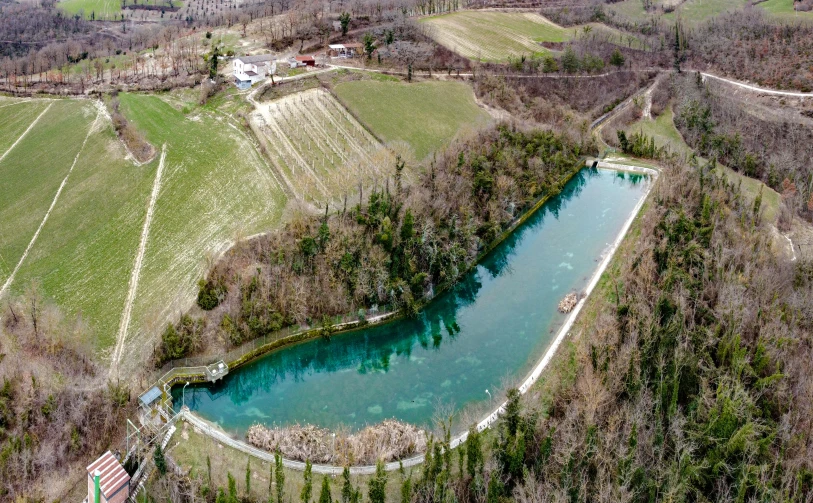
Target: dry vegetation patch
389, 440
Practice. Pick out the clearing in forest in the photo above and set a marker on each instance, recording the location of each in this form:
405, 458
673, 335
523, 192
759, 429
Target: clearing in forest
785, 10
109, 10
692, 12
498, 36
424, 115
318, 148
99, 9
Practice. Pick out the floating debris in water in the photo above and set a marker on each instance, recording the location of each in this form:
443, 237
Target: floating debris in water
568, 303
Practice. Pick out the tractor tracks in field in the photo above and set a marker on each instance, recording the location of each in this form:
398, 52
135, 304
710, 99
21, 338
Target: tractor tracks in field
30, 127
124, 324
91, 130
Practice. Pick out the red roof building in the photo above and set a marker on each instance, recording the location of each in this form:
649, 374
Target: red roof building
113, 480
306, 60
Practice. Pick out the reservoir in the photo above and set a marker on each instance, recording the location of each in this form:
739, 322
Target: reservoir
488, 330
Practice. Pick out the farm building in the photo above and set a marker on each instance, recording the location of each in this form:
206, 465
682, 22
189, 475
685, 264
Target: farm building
307, 60
301, 61
344, 50
107, 480
248, 70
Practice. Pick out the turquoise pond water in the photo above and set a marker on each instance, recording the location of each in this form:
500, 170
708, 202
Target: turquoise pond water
495, 324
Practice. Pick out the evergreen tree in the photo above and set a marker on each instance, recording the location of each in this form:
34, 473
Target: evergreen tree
369, 44
347, 486
271, 482
570, 61
307, 487
280, 477
324, 495
474, 452
344, 21
617, 59
232, 488
248, 477
160, 460
214, 61
378, 485
406, 490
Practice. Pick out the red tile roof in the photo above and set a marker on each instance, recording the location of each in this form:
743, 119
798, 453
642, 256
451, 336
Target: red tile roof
305, 58
113, 475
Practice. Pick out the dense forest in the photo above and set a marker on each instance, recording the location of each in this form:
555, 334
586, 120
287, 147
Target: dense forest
398, 249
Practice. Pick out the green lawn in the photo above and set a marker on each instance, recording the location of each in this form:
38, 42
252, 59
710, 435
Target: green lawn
102, 9
216, 187
16, 116
107, 9
783, 9
425, 115
498, 36
693, 12
494, 36
666, 134
33, 170
84, 255
630, 9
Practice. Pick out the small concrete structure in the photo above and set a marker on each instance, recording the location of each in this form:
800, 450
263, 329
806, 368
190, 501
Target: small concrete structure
149, 397
113, 481
216, 371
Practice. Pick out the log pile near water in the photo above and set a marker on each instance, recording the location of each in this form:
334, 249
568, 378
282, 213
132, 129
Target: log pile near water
568, 303
389, 440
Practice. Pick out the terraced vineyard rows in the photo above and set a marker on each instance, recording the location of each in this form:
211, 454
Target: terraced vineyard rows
318, 147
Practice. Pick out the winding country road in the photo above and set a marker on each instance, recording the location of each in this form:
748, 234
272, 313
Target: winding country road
757, 89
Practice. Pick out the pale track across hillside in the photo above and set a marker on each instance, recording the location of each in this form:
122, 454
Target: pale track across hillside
30, 127
92, 128
135, 275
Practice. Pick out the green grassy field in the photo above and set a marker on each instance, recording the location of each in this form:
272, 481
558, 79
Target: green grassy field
425, 115
84, 255
106, 9
692, 12
666, 134
33, 170
498, 36
494, 36
783, 9
102, 9
216, 188
16, 116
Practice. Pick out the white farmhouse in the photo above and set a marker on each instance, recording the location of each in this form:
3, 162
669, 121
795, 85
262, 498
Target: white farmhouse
248, 70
